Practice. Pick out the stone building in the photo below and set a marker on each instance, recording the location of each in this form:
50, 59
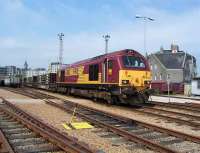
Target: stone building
178, 65
3, 75
195, 86
9, 74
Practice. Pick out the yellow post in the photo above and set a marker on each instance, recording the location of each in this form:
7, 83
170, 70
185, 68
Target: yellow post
74, 112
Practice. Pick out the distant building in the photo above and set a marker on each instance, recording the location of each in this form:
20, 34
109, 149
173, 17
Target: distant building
9, 73
178, 65
3, 73
195, 86
35, 72
53, 67
25, 66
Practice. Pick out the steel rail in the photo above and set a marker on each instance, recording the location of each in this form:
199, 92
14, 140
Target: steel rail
174, 133
184, 136
170, 105
185, 105
188, 104
63, 141
193, 124
172, 112
4, 144
129, 136
128, 120
175, 105
21, 93
195, 105
185, 122
179, 97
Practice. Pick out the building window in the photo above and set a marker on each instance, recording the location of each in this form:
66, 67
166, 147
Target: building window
155, 77
198, 84
161, 76
155, 67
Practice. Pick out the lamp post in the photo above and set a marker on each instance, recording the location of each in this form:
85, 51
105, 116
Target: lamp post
145, 19
106, 37
168, 86
60, 37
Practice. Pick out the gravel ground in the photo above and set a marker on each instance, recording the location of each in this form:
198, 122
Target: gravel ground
179, 110
56, 117
7, 94
88, 135
173, 115
128, 112
183, 146
179, 100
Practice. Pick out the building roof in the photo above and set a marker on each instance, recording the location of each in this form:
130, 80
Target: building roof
196, 78
171, 60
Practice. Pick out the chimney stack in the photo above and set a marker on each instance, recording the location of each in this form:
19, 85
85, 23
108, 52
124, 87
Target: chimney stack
174, 48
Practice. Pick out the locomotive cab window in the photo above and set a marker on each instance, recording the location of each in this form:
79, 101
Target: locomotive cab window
93, 72
132, 61
110, 64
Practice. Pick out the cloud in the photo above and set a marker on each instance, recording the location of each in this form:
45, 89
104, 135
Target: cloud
168, 28
33, 35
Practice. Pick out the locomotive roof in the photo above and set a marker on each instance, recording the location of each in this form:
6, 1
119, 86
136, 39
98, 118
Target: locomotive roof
121, 52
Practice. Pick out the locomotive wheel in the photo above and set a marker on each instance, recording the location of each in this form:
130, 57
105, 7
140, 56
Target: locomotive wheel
113, 100
95, 99
110, 102
67, 91
116, 100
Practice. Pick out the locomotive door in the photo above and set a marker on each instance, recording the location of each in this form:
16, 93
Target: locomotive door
104, 71
107, 71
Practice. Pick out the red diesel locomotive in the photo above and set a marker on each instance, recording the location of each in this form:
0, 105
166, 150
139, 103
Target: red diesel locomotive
117, 77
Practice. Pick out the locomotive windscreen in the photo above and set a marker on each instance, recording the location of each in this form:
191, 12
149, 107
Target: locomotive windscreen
134, 62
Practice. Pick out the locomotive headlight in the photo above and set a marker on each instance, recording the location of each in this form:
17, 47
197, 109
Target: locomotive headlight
125, 81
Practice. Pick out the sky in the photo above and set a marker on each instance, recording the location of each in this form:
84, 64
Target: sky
29, 28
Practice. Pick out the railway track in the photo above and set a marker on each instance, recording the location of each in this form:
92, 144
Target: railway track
27, 134
179, 97
4, 144
186, 106
177, 117
132, 132
181, 118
